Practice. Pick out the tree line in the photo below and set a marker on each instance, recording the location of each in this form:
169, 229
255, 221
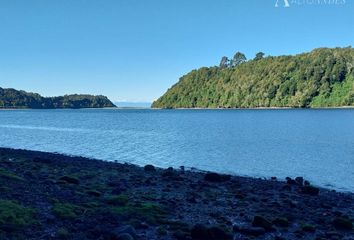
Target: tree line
323, 77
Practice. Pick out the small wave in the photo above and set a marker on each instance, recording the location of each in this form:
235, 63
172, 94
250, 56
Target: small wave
57, 129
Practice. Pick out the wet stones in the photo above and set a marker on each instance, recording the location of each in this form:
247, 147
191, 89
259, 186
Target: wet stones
124, 233
201, 232
281, 222
149, 168
259, 221
251, 231
299, 181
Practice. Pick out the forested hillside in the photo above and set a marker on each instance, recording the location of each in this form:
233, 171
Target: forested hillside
321, 78
11, 98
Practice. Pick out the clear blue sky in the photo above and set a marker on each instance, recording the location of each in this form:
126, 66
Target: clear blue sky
135, 50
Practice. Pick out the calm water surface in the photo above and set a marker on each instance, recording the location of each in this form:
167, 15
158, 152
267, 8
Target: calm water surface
316, 144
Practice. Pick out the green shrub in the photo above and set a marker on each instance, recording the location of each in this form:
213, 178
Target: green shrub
13, 215
66, 210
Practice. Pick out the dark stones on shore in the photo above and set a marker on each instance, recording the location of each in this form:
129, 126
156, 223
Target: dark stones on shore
201, 232
310, 190
77, 198
149, 168
69, 179
124, 233
342, 223
215, 177
251, 231
259, 221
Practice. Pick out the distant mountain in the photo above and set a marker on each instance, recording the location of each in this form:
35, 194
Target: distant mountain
11, 98
321, 78
133, 104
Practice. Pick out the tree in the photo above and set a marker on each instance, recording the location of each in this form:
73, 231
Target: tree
238, 59
259, 56
225, 62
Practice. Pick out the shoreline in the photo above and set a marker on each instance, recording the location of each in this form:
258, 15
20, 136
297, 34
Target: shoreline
68, 197
259, 108
142, 108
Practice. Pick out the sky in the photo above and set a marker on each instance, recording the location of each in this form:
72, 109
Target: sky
134, 50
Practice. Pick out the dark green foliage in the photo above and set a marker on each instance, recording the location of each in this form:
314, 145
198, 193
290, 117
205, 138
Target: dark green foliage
8, 175
259, 56
14, 216
238, 59
11, 98
149, 212
66, 210
321, 78
118, 200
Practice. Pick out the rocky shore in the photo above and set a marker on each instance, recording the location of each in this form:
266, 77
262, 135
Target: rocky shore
53, 196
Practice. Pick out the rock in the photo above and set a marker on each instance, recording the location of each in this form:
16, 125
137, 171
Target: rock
299, 180
94, 193
125, 236
219, 234
259, 221
124, 231
149, 168
201, 232
308, 228
69, 179
180, 235
169, 172
310, 190
252, 231
215, 177
291, 181
342, 223
281, 222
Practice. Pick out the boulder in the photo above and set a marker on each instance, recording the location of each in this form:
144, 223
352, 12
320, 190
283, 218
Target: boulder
149, 168
124, 232
124, 236
299, 180
259, 221
342, 223
201, 232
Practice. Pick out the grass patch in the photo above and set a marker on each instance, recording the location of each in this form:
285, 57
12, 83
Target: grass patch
8, 175
14, 216
66, 210
117, 200
148, 212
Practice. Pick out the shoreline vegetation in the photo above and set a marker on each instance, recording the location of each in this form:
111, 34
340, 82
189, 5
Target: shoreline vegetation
323, 77
15, 99
54, 196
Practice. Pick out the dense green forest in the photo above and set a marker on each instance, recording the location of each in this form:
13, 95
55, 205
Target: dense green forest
11, 98
323, 77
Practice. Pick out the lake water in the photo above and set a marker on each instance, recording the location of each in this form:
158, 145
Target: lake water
316, 144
